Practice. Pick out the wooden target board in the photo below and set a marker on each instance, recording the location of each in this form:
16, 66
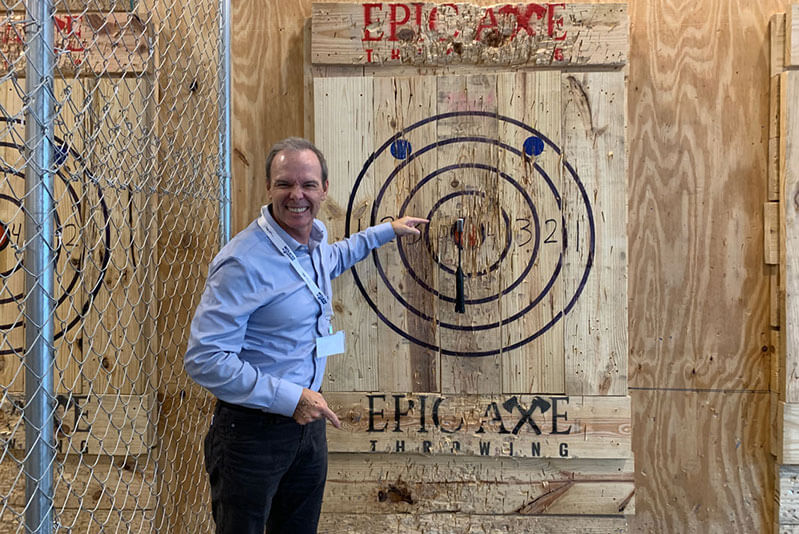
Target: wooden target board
503, 117
101, 171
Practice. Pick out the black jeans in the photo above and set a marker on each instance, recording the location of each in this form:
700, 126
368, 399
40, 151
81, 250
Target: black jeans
266, 471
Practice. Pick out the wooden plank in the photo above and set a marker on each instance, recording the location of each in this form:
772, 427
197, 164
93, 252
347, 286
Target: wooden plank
777, 43
771, 227
86, 44
595, 222
774, 145
186, 409
482, 425
537, 365
68, 188
124, 521
409, 362
774, 347
98, 5
457, 523
510, 34
471, 190
788, 433
385, 484
89, 481
787, 496
71, 129
789, 119
774, 427
468, 190
121, 163
344, 129
792, 36
774, 297
687, 445
109, 425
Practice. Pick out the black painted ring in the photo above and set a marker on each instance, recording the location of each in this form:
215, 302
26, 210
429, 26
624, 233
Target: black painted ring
557, 316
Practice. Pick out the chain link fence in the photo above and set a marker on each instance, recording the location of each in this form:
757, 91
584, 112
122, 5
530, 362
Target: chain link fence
127, 130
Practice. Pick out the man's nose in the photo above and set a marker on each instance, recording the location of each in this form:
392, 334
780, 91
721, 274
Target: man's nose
296, 192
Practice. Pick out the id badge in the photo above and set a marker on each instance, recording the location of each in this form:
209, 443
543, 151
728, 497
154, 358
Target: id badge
331, 345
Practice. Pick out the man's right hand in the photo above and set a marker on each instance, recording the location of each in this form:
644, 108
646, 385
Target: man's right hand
312, 406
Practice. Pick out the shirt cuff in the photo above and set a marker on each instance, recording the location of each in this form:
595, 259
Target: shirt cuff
287, 396
384, 232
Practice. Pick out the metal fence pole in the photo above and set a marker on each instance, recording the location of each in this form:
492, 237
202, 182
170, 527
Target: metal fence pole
39, 270
225, 16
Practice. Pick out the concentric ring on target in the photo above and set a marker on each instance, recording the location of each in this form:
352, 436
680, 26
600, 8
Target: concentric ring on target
61, 153
491, 268
523, 151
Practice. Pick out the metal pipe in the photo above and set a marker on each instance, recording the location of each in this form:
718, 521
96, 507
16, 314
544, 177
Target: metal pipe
39, 269
224, 174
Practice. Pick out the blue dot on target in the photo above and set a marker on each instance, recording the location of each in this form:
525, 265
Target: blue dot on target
400, 149
533, 146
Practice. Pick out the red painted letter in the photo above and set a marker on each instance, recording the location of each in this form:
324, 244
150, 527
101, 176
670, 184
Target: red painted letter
367, 21
434, 19
523, 19
489, 14
555, 21
394, 23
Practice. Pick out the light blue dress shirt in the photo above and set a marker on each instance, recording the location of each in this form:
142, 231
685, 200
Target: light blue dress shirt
253, 336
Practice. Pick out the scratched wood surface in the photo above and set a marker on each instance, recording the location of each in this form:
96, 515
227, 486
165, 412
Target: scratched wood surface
792, 36
76, 6
789, 162
458, 96
406, 366
459, 523
429, 34
535, 366
90, 44
787, 498
100, 482
698, 300
346, 106
594, 127
382, 484
112, 425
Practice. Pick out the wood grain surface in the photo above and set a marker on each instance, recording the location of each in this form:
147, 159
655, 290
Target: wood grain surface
698, 295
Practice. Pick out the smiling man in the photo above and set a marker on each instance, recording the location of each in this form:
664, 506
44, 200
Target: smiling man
259, 341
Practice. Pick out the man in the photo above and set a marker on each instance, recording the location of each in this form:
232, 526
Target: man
259, 342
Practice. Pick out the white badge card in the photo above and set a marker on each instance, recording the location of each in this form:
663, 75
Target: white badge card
330, 345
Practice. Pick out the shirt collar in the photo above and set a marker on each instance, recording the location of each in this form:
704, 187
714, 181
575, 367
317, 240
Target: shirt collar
313, 241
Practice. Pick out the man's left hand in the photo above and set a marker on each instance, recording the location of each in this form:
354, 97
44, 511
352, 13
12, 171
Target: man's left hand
407, 225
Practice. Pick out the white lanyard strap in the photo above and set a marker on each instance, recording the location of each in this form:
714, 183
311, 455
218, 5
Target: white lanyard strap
284, 249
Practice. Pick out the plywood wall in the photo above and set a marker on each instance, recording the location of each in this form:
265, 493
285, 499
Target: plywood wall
698, 293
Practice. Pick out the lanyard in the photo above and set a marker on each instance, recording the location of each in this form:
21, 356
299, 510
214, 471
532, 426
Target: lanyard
284, 249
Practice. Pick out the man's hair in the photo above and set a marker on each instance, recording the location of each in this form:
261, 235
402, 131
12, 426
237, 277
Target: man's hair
294, 144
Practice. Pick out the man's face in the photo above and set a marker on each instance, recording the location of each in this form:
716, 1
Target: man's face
297, 191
